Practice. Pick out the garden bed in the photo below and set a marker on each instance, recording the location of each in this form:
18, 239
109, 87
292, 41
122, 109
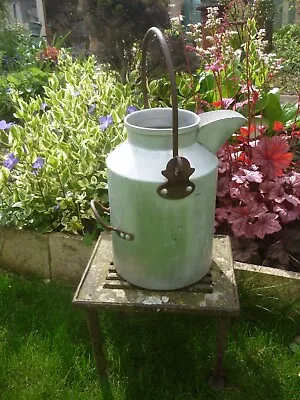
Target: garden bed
63, 258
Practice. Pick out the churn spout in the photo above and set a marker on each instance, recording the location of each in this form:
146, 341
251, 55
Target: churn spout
216, 127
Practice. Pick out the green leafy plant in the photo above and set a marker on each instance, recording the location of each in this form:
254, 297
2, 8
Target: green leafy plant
28, 82
17, 48
54, 159
287, 46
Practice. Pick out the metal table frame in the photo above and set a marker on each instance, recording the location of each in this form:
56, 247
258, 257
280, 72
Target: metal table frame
101, 288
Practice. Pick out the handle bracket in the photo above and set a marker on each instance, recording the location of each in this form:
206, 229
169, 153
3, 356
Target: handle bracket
122, 234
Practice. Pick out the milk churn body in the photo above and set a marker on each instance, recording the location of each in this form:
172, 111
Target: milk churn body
172, 245
162, 189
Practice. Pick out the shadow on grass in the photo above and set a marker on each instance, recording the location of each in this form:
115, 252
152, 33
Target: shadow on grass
150, 356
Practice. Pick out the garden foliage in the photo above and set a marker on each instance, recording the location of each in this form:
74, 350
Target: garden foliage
20, 67
54, 158
258, 197
287, 46
54, 148
119, 24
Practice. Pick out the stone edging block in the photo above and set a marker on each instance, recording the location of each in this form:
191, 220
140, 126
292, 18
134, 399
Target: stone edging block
24, 252
266, 281
63, 257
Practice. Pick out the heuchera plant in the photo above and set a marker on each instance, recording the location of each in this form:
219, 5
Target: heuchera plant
258, 197
259, 189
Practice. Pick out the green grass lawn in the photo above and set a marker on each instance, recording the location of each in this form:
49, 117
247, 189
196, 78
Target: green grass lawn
45, 352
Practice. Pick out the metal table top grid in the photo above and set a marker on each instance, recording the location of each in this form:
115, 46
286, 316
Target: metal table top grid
102, 287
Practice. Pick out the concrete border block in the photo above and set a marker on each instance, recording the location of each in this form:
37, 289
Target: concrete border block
268, 282
68, 257
25, 252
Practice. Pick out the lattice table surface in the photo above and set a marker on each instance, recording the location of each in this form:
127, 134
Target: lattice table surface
102, 287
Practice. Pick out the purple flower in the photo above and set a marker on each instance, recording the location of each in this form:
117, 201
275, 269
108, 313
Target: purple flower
92, 109
43, 106
10, 161
131, 109
5, 125
8, 90
38, 164
56, 207
105, 122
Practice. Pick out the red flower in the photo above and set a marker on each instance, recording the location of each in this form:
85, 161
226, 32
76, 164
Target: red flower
49, 53
245, 131
224, 103
243, 157
217, 103
271, 154
278, 126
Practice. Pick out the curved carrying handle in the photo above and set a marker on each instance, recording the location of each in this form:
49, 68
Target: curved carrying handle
167, 55
178, 169
122, 234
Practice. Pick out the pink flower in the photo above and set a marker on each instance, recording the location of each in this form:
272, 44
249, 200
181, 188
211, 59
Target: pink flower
271, 154
215, 67
266, 224
191, 49
227, 101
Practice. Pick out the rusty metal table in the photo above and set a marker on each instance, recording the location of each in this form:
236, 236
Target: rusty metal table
101, 288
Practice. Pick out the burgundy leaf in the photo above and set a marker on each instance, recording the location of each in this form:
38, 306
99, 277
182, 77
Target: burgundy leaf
221, 214
287, 213
243, 249
277, 252
273, 189
223, 186
294, 182
266, 225
243, 229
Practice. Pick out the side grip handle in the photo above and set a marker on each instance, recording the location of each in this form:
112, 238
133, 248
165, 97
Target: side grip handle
122, 234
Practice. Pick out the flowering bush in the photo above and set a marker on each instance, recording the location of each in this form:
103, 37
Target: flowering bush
54, 157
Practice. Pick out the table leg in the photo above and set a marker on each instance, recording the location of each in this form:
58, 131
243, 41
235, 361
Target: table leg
96, 339
217, 380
